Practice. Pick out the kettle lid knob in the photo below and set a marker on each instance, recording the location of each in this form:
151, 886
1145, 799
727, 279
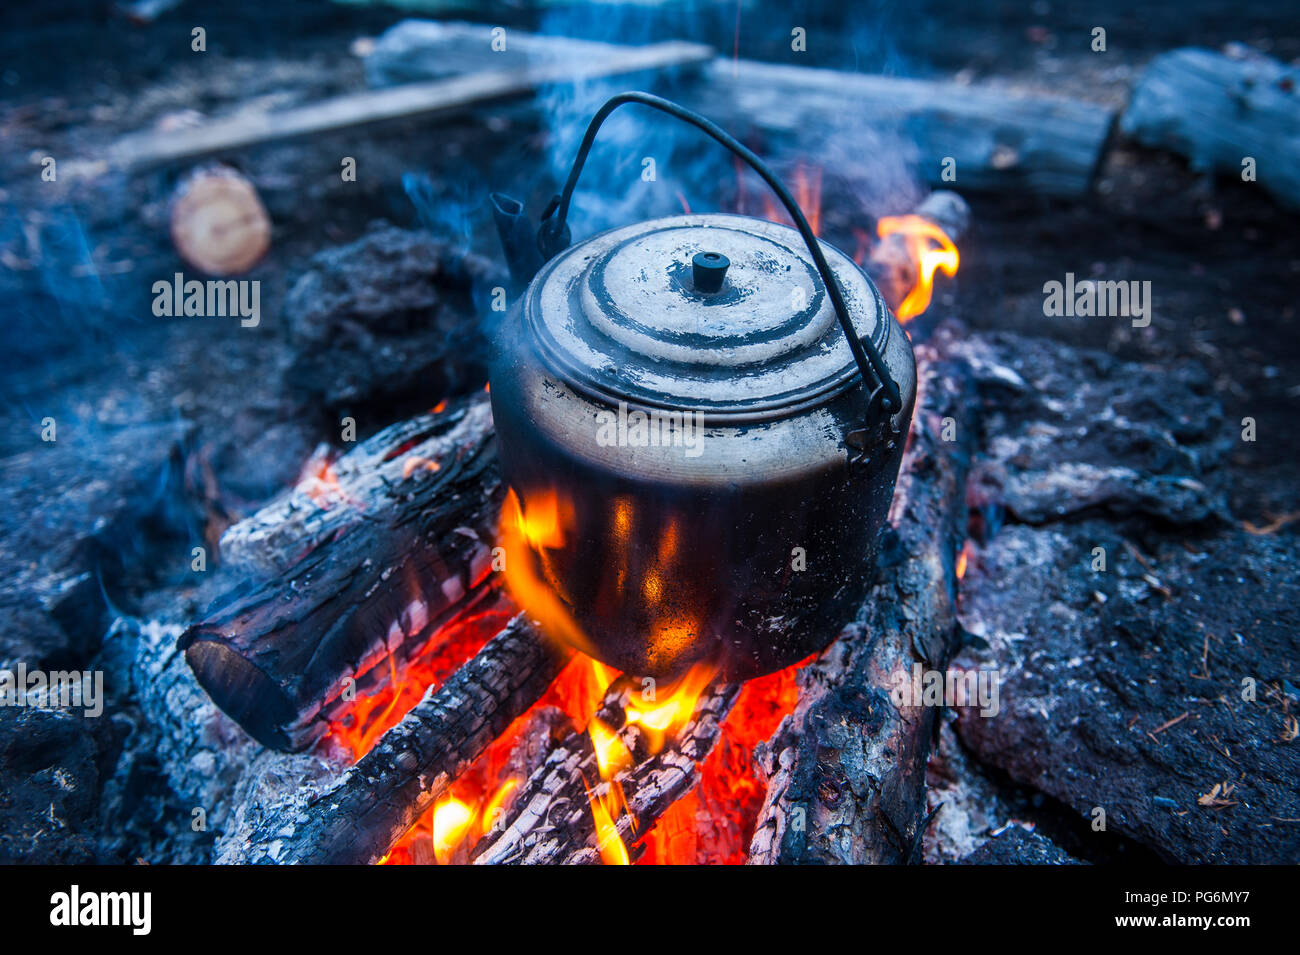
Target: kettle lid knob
708, 270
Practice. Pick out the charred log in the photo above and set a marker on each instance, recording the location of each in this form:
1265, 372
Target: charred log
368, 558
892, 266
847, 768
389, 322
359, 818
550, 819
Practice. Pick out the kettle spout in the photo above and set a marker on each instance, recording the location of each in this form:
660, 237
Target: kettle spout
518, 240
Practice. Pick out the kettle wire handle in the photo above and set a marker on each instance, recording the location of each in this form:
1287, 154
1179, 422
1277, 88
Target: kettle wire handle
553, 234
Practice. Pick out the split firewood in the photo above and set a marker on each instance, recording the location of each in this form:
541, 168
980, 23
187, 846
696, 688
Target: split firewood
550, 819
1236, 114
359, 818
363, 560
847, 768
218, 222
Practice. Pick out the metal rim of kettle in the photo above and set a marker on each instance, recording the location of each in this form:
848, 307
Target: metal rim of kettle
576, 378
553, 236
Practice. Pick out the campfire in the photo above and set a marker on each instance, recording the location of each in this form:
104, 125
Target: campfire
663, 772
626, 442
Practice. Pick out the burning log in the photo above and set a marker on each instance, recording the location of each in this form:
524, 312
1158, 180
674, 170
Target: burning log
360, 817
1220, 111
847, 768
551, 820
364, 559
903, 263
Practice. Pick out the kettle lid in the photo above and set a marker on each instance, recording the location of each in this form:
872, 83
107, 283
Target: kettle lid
723, 314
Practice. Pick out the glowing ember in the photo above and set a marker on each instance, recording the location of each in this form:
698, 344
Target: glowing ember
372, 714
577, 693
713, 823
415, 462
929, 248
319, 481
962, 558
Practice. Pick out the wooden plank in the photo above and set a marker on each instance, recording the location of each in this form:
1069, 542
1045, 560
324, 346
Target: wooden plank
435, 98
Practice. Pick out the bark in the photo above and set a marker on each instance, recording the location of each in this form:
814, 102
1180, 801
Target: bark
360, 561
847, 768
359, 818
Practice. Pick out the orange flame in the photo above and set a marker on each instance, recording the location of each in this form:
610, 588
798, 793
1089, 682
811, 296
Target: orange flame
497, 804
807, 182
527, 530
713, 823
664, 718
612, 754
808, 193
613, 851
962, 559
929, 248
451, 821
320, 482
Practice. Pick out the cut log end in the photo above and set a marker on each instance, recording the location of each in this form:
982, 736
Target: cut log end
218, 222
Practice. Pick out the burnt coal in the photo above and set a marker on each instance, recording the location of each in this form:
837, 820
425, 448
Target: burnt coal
392, 318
